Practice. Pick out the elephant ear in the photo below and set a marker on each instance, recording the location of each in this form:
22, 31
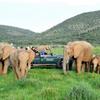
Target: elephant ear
77, 50
31, 55
6, 52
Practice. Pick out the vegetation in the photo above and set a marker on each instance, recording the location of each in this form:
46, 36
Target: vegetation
16, 35
50, 83
82, 91
45, 83
85, 26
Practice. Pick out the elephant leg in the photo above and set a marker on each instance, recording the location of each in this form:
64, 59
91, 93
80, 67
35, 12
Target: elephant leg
18, 73
83, 67
98, 69
5, 67
95, 67
0, 67
79, 61
91, 68
88, 66
75, 65
70, 63
65, 61
64, 66
16, 70
29, 65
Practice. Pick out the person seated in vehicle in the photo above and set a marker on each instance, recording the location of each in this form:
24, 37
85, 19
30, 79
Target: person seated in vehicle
43, 53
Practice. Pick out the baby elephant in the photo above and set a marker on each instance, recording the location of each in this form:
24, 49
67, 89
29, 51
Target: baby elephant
96, 63
21, 61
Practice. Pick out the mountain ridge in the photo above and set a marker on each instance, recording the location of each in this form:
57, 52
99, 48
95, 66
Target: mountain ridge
75, 28
85, 26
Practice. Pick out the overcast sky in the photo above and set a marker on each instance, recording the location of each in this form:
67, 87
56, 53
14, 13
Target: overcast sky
40, 15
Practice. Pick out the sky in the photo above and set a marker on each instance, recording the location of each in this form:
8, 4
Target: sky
40, 15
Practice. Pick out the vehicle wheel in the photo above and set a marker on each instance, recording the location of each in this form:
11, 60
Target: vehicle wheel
60, 63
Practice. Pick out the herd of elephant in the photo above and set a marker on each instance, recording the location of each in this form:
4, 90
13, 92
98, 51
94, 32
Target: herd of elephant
81, 52
20, 58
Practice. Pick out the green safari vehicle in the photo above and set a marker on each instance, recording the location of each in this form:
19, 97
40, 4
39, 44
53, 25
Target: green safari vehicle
48, 60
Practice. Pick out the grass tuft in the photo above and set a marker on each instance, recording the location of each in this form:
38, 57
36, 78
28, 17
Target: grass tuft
82, 91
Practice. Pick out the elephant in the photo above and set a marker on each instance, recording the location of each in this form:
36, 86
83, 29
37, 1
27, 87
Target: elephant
20, 60
81, 51
45, 48
5, 51
95, 62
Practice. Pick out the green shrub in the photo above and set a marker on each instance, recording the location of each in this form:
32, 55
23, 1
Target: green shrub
49, 93
95, 82
81, 91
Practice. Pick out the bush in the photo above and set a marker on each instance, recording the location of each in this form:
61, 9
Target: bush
95, 82
81, 91
49, 93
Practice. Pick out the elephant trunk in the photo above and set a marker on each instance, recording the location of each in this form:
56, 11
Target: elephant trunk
23, 70
64, 65
65, 61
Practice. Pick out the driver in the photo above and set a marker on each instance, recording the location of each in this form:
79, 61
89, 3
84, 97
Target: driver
43, 53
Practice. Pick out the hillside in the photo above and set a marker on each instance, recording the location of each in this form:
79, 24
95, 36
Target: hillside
85, 26
16, 35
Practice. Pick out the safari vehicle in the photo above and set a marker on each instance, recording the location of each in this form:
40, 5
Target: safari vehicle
48, 60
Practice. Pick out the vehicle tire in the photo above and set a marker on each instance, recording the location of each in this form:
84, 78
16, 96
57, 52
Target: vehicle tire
60, 64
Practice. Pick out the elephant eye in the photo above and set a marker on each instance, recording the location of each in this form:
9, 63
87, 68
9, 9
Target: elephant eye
20, 69
27, 64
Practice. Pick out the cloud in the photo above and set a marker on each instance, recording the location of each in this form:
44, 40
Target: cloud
67, 2
39, 15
